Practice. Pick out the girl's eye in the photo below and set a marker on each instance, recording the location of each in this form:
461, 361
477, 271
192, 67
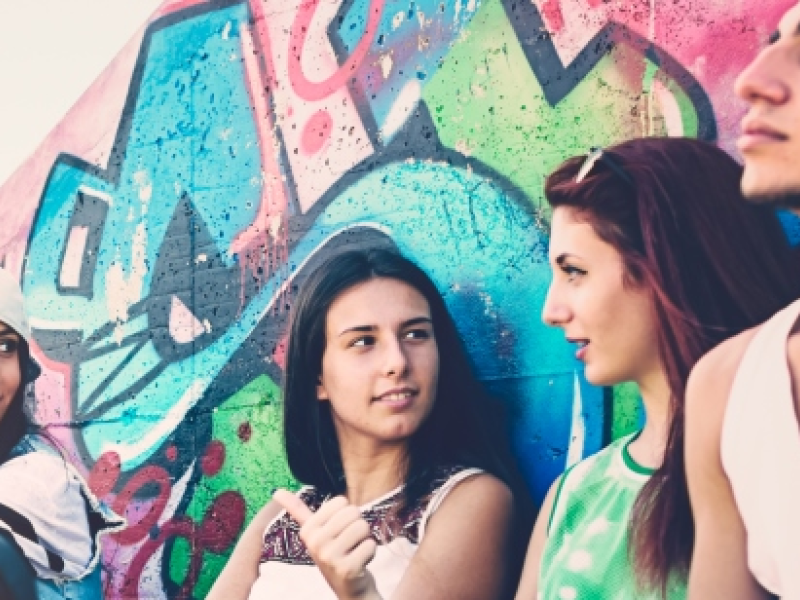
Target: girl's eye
8, 346
418, 334
363, 341
572, 272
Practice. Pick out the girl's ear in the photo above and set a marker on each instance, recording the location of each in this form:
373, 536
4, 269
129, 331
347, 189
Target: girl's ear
322, 393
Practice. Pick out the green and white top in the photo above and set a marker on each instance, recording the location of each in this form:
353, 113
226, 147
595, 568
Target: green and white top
586, 553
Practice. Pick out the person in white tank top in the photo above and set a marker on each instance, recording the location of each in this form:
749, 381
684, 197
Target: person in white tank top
743, 436
405, 495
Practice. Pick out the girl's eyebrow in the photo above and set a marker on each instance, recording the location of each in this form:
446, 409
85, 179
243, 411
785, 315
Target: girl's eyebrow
563, 257
403, 325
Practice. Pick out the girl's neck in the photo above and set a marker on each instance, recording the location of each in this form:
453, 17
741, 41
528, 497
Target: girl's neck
372, 472
648, 448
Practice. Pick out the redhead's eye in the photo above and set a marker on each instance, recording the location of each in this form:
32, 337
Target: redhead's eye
572, 272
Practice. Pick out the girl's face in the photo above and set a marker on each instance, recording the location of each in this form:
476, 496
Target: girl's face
611, 324
380, 366
10, 374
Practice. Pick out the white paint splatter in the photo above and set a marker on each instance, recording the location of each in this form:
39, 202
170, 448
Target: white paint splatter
577, 436
463, 147
670, 109
406, 101
184, 326
123, 291
226, 31
477, 90
386, 64
398, 19
142, 181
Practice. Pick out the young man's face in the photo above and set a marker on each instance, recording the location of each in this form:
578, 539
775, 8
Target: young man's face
770, 140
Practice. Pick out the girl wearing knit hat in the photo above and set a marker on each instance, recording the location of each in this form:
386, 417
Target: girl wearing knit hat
50, 522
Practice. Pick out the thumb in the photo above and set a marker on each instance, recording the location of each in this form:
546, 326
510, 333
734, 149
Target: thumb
293, 505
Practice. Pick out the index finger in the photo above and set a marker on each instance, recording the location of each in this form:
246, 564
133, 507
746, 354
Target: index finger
293, 505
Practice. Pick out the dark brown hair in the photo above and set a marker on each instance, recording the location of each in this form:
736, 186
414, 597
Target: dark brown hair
453, 434
14, 423
714, 265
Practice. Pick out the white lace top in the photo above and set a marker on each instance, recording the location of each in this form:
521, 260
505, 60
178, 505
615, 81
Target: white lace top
287, 571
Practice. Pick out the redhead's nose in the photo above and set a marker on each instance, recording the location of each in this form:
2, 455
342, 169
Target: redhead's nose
554, 313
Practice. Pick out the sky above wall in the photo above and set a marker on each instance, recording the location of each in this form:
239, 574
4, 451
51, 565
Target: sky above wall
50, 52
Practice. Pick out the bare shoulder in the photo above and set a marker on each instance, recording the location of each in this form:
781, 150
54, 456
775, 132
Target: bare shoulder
482, 488
712, 377
479, 498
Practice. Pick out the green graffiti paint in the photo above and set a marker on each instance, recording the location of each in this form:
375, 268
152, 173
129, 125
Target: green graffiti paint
249, 425
488, 103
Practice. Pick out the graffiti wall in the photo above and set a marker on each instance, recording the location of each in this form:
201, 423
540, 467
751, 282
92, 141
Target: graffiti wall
161, 230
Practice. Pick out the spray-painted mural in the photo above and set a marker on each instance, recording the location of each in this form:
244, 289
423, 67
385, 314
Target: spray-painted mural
159, 254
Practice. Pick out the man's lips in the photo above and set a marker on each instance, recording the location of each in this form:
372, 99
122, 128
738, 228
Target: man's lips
755, 133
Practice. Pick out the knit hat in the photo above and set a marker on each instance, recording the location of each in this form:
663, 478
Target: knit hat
12, 313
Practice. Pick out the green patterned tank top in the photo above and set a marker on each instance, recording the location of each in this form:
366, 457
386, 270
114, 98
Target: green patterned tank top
586, 553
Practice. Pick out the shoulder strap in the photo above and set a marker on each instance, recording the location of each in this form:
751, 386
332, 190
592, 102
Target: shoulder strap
441, 493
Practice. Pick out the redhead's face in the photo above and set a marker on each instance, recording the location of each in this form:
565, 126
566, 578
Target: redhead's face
380, 365
10, 375
770, 140
611, 324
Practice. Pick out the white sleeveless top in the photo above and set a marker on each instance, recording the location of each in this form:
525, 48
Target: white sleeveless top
761, 456
287, 571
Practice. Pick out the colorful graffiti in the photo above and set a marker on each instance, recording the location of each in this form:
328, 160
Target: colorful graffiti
259, 136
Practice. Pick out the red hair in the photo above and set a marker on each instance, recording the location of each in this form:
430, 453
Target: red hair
715, 266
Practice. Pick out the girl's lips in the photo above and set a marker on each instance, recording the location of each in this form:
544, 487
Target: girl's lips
581, 353
397, 402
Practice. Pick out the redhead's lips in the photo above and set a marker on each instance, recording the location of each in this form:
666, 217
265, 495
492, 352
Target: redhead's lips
582, 344
755, 134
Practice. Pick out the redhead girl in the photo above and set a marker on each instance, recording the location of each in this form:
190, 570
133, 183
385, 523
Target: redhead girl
656, 259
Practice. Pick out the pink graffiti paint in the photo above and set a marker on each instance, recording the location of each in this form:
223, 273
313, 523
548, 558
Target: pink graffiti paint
217, 532
317, 90
263, 245
551, 11
316, 132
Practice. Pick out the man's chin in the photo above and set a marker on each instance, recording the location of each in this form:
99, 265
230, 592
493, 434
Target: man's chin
774, 194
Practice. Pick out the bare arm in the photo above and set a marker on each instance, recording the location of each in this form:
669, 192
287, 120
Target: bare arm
529, 583
464, 551
719, 563
240, 573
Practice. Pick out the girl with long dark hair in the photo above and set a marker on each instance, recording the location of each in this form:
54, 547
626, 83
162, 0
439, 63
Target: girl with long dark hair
656, 259
405, 496
50, 522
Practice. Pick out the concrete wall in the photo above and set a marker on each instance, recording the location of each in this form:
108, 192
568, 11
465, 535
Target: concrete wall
160, 231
